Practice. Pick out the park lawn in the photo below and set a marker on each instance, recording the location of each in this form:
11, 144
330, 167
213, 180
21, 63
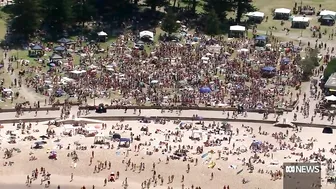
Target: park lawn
3, 24
3, 73
266, 6
183, 4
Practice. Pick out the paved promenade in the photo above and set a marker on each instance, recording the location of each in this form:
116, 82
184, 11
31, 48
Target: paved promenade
255, 117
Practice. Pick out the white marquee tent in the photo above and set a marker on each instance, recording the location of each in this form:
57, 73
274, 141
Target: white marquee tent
102, 33
256, 14
147, 34
300, 19
327, 12
300, 22
237, 28
331, 98
282, 11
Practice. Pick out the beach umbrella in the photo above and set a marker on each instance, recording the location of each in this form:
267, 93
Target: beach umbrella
205, 90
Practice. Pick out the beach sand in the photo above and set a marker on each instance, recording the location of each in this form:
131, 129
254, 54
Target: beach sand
225, 172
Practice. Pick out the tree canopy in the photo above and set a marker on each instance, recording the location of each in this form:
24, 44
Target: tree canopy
330, 69
308, 64
212, 24
169, 24
242, 7
27, 18
56, 17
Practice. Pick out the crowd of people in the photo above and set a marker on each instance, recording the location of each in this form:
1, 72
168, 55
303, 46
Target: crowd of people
199, 71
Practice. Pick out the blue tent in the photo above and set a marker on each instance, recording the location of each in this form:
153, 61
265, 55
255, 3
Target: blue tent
64, 40
59, 48
285, 61
268, 69
125, 140
261, 37
37, 48
205, 90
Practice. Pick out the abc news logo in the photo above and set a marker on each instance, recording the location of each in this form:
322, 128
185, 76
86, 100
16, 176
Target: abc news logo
304, 169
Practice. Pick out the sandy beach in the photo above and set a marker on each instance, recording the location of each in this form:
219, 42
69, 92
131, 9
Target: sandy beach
228, 169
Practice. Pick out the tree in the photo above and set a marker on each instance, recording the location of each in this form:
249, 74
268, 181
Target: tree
330, 69
192, 4
156, 3
58, 14
27, 17
84, 11
169, 24
243, 6
212, 23
221, 7
115, 10
308, 64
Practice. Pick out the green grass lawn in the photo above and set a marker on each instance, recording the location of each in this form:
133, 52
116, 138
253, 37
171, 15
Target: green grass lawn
3, 25
266, 6
184, 4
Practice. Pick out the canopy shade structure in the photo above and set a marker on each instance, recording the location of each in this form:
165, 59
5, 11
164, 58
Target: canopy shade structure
37, 48
147, 34
116, 136
125, 140
261, 37
285, 61
300, 19
102, 33
87, 120
268, 69
77, 71
237, 28
56, 57
282, 11
255, 14
328, 17
327, 12
331, 82
327, 130
205, 90
330, 98
140, 42
64, 40
59, 48
285, 124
